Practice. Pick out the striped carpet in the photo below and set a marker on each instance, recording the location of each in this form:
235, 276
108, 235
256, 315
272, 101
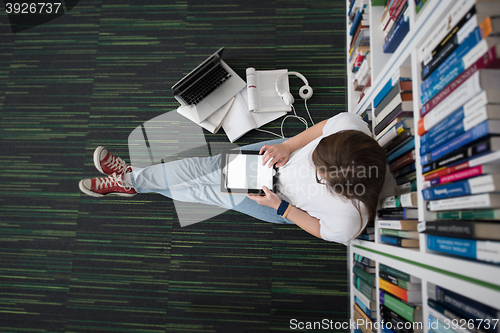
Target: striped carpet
73, 263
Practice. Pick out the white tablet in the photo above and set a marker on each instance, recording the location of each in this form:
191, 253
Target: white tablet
243, 172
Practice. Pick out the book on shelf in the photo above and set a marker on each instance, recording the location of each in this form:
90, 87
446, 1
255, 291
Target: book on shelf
367, 237
365, 276
486, 128
402, 161
406, 225
398, 323
369, 313
461, 229
396, 127
363, 267
464, 306
482, 250
405, 99
396, 139
403, 294
481, 106
364, 260
484, 152
463, 174
410, 168
489, 26
477, 214
398, 213
407, 200
488, 60
398, 33
443, 28
435, 306
410, 286
400, 75
479, 89
391, 15
405, 188
399, 241
454, 38
399, 274
406, 178
404, 109
477, 201
404, 148
368, 304
399, 233
475, 185
491, 45
364, 288
402, 89
408, 311
362, 320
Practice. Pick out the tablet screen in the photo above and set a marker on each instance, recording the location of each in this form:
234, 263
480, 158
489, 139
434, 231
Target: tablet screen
247, 172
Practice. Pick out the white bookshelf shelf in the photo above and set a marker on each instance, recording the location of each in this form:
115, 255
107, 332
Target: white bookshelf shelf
474, 279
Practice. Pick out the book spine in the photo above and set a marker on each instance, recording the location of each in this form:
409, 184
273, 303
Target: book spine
396, 90
460, 141
395, 272
406, 178
447, 191
488, 60
465, 306
391, 240
363, 287
397, 36
364, 308
409, 146
454, 71
484, 214
467, 202
437, 130
392, 279
361, 259
404, 170
456, 229
442, 138
458, 11
394, 290
383, 92
402, 161
402, 309
355, 22
367, 277
453, 60
398, 322
404, 188
397, 112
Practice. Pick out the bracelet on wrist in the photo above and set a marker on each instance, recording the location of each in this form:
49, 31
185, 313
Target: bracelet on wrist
283, 209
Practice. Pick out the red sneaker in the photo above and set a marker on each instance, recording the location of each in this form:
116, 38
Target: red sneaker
109, 164
100, 187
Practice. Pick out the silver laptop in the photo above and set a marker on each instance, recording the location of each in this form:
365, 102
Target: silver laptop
208, 87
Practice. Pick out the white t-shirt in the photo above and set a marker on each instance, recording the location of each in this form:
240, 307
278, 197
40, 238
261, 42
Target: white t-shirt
339, 219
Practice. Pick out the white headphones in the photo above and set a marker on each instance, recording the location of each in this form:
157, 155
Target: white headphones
305, 91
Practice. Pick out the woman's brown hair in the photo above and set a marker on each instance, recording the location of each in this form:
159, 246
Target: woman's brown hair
352, 165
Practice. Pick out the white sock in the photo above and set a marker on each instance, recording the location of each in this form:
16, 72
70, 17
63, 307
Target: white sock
127, 179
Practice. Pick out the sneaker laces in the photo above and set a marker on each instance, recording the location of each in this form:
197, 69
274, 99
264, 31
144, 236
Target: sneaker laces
111, 181
116, 163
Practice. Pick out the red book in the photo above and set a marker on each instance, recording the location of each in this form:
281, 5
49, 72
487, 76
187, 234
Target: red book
402, 161
488, 60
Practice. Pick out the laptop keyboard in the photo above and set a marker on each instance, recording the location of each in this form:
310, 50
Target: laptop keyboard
204, 86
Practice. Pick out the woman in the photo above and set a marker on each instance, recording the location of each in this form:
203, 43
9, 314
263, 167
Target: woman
329, 180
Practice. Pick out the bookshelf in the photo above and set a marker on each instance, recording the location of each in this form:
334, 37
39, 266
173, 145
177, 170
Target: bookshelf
477, 280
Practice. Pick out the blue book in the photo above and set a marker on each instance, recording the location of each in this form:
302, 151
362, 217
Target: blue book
442, 138
455, 189
356, 21
438, 326
487, 127
397, 35
409, 146
453, 60
469, 248
386, 89
464, 306
443, 126
404, 170
364, 308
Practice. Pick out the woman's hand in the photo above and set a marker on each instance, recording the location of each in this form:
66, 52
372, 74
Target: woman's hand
269, 199
276, 154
